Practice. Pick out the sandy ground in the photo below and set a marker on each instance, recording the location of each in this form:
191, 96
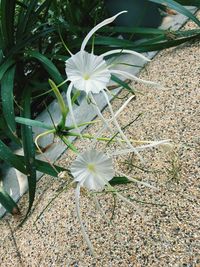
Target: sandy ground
169, 233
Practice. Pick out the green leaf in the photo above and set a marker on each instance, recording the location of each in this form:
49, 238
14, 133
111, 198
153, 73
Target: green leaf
189, 2
119, 180
45, 167
6, 132
48, 65
30, 15
7, 22
121, 83
34, 123
165, 44
178, 7
7, 85
8, 203
7, 155
138, 30
29, 149
30, 8
4, 67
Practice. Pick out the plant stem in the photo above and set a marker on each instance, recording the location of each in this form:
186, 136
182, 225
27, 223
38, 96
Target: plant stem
61, 103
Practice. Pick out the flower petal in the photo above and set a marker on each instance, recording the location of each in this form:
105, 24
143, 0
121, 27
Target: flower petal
87, 72
124, 51
85, 235
120, 130
98, 26
133, 77
140, 148
92, 169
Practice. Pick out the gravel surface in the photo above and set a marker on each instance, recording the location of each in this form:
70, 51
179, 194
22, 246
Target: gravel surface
168, 233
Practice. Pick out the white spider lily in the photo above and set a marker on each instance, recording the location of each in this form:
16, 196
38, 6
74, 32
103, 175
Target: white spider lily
93, 170
90, 73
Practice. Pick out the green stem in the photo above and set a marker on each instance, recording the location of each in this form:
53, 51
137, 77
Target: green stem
81, 124
92, 137
41, 135
61, 103
69, 144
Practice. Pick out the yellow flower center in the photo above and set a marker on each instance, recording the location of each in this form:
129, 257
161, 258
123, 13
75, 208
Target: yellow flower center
91, 167
86, 76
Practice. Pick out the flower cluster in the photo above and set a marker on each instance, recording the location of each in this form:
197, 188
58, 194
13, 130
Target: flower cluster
91, 74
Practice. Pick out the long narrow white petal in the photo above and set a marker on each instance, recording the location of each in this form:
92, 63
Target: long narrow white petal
153, 144
98, 26
124, 51
133, 77
123, 106
105, 122
140, 148
131, 203
119, 128
85, 235
98, 206
69, 90
136, 181
115, 115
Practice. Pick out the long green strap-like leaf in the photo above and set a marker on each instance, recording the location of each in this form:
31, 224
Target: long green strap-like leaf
121, 83
5, 66
45, 167
179, 8
11, 159
7, 202
7, 22
163, 45
189, 2
48, 65
6, 132
29, 149
7, 85
33, 123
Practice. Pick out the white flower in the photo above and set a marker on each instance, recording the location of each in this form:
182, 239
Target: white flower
92, 169
90, 73
87, 72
